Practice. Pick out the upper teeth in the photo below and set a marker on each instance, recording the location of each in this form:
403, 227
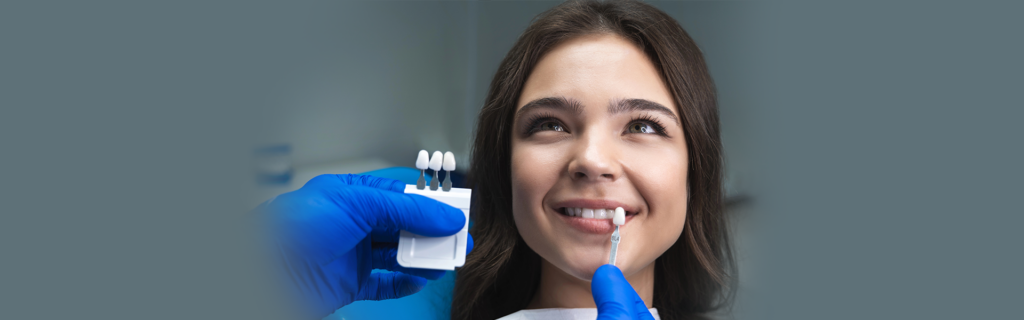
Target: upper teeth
590, 213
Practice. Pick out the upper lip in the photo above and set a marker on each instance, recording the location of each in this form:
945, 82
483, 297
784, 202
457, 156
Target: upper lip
596, 204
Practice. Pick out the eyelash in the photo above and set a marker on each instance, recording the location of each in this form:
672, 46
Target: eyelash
651, 121
534, 122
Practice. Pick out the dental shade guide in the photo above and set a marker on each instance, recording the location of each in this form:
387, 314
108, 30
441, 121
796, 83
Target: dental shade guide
435, 164
440, 253
619, 219
421, 163
448, 166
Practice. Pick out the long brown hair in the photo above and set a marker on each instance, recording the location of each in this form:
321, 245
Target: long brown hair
694, 276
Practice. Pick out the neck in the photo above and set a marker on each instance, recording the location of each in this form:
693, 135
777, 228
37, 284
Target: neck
561, 290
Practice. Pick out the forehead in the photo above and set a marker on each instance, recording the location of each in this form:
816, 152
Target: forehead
596, 69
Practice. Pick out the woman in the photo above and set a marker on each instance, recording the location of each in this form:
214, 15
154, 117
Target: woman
598, 105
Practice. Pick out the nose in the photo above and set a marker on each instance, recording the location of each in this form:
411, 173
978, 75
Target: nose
595, 159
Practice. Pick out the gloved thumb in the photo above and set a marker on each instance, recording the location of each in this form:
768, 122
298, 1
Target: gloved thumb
387, 210
615, 297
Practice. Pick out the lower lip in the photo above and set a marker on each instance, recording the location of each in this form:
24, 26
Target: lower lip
596, 226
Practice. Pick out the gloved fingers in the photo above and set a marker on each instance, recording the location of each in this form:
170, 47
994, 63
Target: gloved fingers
386, 210
385, 235
373, 182
469, 243
385, 257
640, 308
615, 297
390, 285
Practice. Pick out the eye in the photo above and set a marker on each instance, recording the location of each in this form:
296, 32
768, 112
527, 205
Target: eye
641, 127
543, 123
550, 125
646, 124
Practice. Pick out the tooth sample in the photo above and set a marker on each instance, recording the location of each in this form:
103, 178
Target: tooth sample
435, 164
421, 163
619, 217
448, 164
588, 213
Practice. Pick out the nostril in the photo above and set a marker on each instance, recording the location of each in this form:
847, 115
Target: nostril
607, 175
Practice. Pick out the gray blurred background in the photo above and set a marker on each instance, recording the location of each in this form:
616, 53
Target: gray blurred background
878, 143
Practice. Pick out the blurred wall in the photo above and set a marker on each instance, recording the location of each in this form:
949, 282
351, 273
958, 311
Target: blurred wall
374, 79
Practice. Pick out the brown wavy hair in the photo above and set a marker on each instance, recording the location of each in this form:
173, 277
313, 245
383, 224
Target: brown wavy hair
695, 275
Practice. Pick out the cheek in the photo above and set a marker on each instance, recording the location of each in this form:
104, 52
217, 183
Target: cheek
661, 175
529, 181
535, 171
532, 178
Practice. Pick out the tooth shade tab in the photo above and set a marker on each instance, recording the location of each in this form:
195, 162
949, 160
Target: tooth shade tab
422, 160
435, 161
619, 217
449, 161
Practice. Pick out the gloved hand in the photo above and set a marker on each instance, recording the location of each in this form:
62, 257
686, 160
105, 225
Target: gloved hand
615, 297
337, 228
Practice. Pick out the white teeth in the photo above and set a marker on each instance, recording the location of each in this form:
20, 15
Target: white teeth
590, 213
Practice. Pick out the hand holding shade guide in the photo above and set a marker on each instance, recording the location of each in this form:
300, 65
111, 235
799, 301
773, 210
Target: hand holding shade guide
440, 253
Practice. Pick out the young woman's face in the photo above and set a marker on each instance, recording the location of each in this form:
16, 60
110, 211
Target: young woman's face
596, 128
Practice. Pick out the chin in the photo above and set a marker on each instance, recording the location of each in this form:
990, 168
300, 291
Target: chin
583, 268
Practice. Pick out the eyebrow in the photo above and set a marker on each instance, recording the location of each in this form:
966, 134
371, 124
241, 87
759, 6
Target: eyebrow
628, 105
576, 107
557, 103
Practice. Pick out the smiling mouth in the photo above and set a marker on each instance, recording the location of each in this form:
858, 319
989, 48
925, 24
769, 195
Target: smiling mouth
591, 213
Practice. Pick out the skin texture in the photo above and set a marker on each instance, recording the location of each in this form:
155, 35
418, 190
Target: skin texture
596, 154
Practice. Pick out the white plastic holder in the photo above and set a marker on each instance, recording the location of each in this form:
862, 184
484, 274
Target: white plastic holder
440, 253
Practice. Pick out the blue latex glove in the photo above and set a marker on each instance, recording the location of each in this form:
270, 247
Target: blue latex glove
615, 297
337, 228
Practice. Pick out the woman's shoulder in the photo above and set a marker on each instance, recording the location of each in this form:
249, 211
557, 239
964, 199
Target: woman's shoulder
561, 314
